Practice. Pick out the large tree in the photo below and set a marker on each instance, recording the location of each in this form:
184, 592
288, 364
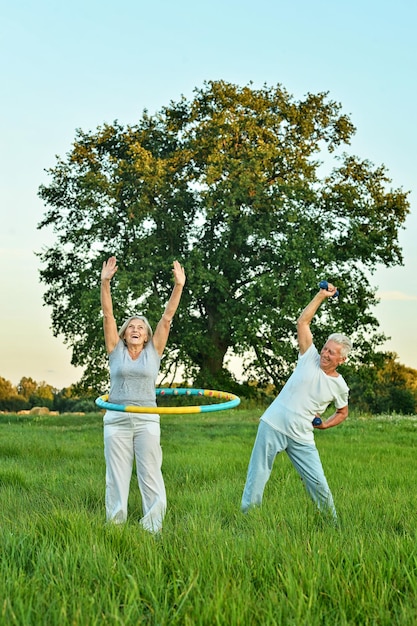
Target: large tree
252, 192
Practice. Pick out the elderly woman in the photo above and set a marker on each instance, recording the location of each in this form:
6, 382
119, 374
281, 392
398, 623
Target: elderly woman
134, 359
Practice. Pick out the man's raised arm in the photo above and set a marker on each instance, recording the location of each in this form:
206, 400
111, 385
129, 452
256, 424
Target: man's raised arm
304, 335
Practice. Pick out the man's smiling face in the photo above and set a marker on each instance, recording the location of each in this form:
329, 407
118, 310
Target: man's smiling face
330, 357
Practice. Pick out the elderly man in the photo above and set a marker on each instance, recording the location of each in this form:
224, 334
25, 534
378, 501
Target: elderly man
287, 424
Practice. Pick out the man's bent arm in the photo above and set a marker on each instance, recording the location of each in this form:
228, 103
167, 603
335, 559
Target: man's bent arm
337, 418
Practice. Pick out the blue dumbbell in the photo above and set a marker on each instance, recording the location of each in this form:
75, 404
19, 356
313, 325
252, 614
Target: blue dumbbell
325, 285
316, 421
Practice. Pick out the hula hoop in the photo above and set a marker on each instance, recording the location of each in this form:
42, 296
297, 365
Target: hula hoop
231, 400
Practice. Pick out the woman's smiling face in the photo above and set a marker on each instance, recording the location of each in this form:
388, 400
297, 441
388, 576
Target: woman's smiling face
136, 333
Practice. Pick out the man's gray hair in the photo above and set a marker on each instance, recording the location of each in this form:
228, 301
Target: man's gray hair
343, 341
122, 328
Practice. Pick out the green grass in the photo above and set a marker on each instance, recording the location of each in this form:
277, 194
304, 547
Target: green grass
281, 564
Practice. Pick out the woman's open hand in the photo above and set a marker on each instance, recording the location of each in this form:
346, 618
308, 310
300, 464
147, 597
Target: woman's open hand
109, 268
179, 274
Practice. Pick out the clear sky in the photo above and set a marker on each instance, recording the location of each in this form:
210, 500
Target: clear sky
79, 64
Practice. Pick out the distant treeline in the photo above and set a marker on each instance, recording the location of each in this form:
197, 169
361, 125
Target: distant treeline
380, 386
29, 393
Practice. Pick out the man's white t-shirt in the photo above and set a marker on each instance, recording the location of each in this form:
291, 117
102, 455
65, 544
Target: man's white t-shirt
306, 394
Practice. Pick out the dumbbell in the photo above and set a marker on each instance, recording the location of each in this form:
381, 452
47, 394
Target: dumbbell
325, 285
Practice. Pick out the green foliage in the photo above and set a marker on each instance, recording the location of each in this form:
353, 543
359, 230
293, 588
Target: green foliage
71, 400
383, 386
29, 393
10, 400
36, 394
27, 387
233, 185
61, 564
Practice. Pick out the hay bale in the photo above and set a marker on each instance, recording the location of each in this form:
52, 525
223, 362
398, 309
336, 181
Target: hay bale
39, 410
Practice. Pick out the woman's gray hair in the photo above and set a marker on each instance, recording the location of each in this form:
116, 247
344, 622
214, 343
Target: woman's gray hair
343, 341
123, 327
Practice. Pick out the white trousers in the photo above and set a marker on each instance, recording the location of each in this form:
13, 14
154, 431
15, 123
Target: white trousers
138, 440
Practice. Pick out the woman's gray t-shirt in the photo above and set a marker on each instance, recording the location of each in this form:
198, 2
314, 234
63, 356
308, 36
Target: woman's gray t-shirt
133, 381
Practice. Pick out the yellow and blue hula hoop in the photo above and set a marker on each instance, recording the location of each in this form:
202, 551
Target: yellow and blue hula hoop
230, 401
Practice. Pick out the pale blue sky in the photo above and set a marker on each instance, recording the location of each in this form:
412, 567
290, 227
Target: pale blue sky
79, 64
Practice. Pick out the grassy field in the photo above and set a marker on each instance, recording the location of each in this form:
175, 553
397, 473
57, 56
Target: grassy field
281, 564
